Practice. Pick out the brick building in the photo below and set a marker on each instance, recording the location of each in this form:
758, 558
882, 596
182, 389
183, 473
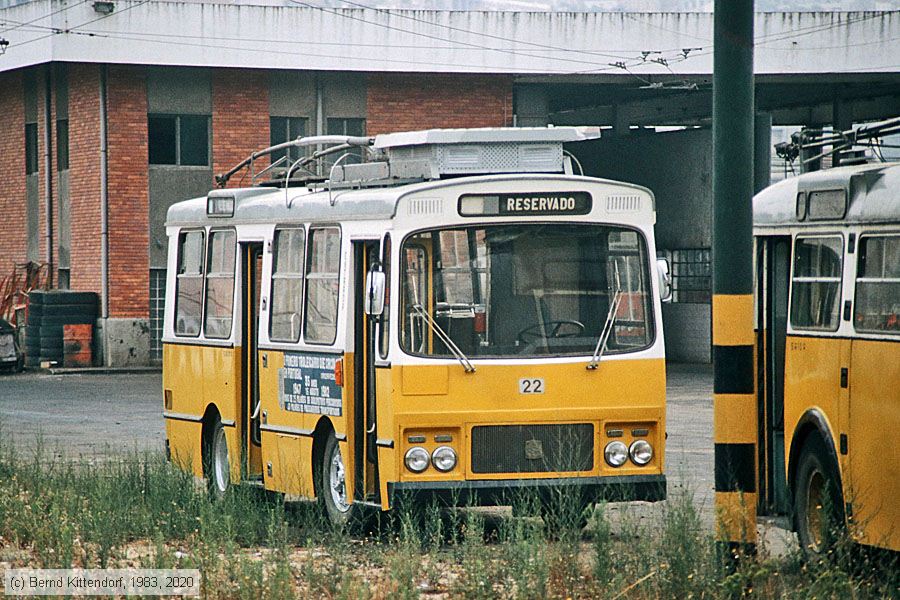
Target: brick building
112, 111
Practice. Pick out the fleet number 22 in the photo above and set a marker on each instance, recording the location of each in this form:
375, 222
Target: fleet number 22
531, 386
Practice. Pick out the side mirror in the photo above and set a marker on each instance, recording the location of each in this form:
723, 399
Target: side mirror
665, 280
374, 302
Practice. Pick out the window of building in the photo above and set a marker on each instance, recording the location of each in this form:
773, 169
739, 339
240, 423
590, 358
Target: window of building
691, 275
385, 326
219, 284
283, 129
816, 283
322, 284
878, 285
62, 144
287, 285
348, 126
31, 148
189, 283
178, 140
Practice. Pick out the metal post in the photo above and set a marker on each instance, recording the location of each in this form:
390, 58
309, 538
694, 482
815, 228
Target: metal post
734, 402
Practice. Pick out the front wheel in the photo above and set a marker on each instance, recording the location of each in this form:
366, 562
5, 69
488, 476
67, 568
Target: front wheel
818, 501
338, 508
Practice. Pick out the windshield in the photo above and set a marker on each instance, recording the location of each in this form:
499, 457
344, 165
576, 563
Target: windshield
523, 290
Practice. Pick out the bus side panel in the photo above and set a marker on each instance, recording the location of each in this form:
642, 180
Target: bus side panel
873, 487
290, 455
812, 379
181, 364
221, 385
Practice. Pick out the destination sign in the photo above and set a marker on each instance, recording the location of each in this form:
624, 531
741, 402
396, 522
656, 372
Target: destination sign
306, 384
530, 204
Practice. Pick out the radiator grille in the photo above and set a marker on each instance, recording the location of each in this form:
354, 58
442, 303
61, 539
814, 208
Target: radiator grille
532, 448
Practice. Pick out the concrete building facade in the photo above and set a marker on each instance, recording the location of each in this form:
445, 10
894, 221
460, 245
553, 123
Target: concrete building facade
106, 119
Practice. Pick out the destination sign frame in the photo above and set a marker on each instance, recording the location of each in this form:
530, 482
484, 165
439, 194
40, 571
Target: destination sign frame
534, 204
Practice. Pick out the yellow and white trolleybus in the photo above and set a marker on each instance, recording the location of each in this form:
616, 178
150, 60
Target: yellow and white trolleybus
461, 318
828, 349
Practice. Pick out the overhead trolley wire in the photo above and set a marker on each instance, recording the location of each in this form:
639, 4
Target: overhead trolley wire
42, 17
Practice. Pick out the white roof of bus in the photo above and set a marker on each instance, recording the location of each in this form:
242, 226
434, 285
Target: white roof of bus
487, 135
269, 205
873, 191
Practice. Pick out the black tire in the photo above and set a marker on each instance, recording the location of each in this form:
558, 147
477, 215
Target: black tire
51, 331
818, 499
65, 310
218, 474
48, 321
67, 297
340, 512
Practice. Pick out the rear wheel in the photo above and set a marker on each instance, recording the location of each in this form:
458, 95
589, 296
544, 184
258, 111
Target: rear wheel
219, 469
818, 501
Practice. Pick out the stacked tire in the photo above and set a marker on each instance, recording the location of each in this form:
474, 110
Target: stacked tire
48, 313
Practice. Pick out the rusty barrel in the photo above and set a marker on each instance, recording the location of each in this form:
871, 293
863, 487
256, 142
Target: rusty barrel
77, 345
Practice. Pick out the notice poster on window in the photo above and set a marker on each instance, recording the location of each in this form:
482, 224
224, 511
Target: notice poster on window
306, 384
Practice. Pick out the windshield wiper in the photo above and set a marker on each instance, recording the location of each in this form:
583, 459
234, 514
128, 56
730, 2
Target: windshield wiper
454, 349
609, 324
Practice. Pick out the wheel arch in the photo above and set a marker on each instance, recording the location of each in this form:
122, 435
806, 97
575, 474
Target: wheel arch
209, 418
812, 422
324, 429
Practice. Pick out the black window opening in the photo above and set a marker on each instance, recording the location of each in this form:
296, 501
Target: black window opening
178, 140
62, 144
348, 126
284, 129
31, 148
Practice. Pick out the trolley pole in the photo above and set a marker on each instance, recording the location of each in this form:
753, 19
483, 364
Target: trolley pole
734, 400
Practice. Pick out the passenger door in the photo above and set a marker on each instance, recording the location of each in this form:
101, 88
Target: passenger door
773, 284
251, 262
365, 463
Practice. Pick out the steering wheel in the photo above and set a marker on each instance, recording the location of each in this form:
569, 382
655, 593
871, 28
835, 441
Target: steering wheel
535, 333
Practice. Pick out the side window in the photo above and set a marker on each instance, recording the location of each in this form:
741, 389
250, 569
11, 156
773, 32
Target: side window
385, 327
189, 283
816, 283
322, 284
219, 284
287, 285
878, 285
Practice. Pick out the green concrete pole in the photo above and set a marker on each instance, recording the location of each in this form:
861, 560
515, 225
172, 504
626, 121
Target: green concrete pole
734, 400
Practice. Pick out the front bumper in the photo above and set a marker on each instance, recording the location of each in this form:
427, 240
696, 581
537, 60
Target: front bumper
494, 492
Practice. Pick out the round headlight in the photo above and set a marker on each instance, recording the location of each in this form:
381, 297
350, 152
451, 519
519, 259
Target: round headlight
443, 458
416, 459
641, 452
616, 454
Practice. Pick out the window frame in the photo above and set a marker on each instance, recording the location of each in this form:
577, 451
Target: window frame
275, 275
206, 278
288, 121
178, 158
178, 277
32, 159
856, 280
809, 279
308, 258
650, 305
384, 323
